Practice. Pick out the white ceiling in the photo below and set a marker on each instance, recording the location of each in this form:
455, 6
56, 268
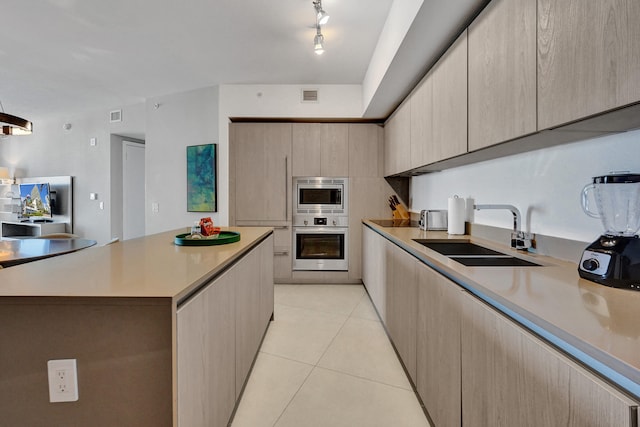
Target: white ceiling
75, 55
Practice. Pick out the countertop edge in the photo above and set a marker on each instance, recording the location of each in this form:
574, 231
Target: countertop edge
595, 359
192, 289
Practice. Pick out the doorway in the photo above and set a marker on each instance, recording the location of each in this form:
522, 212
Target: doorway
133, 190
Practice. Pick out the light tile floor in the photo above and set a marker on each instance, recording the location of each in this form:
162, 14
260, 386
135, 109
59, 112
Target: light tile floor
326, 361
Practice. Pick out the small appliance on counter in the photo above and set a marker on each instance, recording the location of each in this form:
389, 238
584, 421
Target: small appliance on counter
433, 220
614, 258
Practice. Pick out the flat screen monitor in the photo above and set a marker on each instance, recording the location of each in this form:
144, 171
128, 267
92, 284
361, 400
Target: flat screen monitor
35, 201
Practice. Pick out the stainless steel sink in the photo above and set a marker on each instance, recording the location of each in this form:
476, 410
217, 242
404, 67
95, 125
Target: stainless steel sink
472, 255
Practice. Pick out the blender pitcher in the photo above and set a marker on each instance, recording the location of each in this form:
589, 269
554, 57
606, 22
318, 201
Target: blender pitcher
617, 198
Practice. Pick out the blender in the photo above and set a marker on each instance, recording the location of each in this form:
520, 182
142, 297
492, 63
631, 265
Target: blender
614, 259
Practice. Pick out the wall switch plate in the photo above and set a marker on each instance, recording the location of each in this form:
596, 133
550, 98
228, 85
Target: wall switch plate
93, 142
101, 205
93, 196
63, 380
155, 207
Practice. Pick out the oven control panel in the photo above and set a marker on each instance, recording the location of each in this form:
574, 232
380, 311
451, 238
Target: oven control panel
320, 221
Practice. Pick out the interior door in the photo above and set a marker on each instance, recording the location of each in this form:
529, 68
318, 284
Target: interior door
133, 190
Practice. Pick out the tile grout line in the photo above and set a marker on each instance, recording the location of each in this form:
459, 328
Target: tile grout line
366, 379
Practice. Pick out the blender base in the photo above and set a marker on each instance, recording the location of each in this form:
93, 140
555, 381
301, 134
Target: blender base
612, 261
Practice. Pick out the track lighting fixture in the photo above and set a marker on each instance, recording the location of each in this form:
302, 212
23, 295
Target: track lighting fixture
321, 18
318, 42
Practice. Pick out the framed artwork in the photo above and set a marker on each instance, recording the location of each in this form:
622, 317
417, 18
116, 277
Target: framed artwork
201, 178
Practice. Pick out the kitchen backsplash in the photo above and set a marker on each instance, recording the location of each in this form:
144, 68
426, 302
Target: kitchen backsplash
544, 184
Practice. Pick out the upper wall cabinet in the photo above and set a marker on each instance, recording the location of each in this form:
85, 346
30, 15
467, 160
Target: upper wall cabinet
320, 149
588, 58
421, 122
261, 177
502, 73
366, 147
397, 141
449, 119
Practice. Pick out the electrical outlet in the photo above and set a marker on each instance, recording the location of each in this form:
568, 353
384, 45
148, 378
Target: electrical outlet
63, 380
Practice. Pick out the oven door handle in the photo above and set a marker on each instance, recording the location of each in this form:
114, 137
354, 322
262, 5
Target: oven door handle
320, 230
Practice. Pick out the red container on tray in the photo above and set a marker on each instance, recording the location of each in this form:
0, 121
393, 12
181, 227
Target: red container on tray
207, 228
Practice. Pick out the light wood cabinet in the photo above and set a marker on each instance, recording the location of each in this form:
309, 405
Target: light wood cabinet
510, 377
248, 314
438, 372
320, 149
260, 181
397, 141
219, 331
206, 355
366, 150
449, 119
282, 256
401, 304
374, 269
502, 73
421, 122
588, 58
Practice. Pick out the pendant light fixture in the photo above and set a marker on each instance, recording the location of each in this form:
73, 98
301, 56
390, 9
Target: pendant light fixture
321, 18
13, 125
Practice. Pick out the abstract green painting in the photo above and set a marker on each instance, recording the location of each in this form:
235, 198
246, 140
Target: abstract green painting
201, 178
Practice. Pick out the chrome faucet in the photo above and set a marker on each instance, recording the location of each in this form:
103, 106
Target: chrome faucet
519, 239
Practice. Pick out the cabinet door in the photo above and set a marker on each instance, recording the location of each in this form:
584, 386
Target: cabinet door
438, 346
502, 73
366, 150
449, 103
374, 268
249, 324
266, 283
588, 58
262, 153
206, 356
320, 149
367, 199
401, 304
397, 141
421, 122
282, 262
510, 377
306, 149
335, 150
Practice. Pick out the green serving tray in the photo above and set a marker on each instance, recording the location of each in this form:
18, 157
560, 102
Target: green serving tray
224, 238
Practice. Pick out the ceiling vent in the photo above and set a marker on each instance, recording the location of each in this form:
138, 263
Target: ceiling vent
309, 95
115, 116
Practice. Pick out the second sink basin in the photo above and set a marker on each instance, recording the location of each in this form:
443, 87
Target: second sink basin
456, 247
472, 255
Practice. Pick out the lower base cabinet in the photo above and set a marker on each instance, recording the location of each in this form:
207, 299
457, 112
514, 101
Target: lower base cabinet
219, 332
438, 379
510, 377
401, 304
471, 365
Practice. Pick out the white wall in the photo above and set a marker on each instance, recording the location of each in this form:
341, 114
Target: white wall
180, 120
545, 185
52, 151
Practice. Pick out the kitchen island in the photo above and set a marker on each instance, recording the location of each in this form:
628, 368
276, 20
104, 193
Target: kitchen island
162, 334
505, 345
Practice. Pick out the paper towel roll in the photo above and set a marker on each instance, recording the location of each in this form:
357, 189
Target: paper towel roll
456, 215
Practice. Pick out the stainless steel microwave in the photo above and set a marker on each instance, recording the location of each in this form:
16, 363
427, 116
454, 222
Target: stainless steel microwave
321, 195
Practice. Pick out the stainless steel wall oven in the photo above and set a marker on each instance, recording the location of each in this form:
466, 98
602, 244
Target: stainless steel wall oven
321, 224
